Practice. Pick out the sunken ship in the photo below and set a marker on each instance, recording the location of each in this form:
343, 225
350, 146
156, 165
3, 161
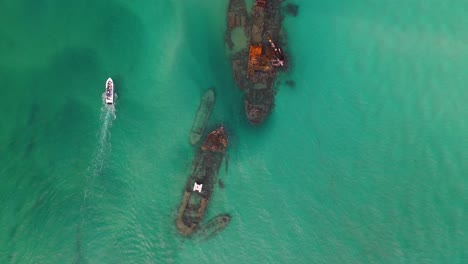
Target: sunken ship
255, 67
201, 119
201, 182
213, 227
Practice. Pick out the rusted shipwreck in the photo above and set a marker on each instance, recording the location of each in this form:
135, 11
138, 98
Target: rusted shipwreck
203, 114
201, 182
255, 67
213, 227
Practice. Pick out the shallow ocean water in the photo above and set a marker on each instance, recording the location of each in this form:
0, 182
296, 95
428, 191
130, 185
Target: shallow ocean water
361, 161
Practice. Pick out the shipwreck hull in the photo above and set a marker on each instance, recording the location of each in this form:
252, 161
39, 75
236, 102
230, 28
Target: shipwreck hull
212, 227
201, 119
194, 203
256, 114
201, 182
255, 69
258, 103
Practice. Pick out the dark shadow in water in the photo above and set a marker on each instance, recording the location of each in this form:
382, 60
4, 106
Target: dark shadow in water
31, 129
74, 69
13, 232
291, 9
221, 183
290, 83
21, 135
226, 159
33, 113
74, 61
79, 259
23, 140
23, 215
29, 147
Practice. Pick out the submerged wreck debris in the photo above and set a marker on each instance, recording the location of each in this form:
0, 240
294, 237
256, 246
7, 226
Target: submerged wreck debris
255, 69
201, 182
216, 141
292, 9
221, 183
201, 119
290, 83
239, 69
217, 224
236, 17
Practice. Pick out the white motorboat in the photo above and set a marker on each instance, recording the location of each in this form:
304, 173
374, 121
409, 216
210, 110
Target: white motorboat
109, 91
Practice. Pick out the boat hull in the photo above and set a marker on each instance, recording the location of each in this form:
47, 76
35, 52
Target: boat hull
109, 94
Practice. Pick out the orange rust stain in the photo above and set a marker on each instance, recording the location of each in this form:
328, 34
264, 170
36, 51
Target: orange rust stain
255, 50
259, 57
260, 3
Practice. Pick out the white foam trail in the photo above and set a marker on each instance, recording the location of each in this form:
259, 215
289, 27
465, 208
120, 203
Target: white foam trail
104, 145
97, 163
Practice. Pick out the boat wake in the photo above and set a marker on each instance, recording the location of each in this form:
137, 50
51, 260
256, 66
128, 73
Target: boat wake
104, 146
96, 167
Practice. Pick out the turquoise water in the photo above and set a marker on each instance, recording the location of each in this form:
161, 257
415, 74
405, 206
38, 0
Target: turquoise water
362, 161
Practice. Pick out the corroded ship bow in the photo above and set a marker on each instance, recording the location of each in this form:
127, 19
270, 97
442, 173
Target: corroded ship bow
216, 141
